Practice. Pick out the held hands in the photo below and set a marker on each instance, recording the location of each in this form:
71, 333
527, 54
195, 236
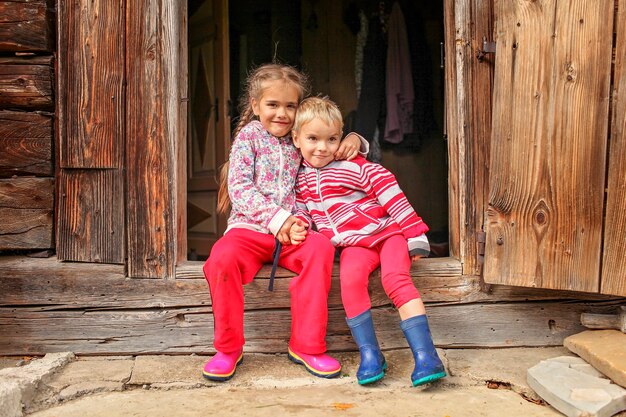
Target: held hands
349, 148
297, 233
292, 232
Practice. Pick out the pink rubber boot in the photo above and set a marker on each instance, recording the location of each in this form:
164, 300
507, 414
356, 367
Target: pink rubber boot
222, 366
320, 365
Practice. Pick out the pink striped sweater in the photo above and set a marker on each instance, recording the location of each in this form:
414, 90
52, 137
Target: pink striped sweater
357, 203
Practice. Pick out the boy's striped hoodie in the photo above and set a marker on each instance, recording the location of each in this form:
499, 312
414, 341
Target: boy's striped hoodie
358, 203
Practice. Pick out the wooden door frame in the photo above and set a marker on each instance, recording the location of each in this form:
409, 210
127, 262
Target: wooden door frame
468, 84
468, 92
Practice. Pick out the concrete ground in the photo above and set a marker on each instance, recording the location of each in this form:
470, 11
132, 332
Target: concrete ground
481, 382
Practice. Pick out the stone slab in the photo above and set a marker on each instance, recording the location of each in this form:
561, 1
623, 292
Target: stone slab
20, 384
507, 366
83, 371
604, 349
575, 390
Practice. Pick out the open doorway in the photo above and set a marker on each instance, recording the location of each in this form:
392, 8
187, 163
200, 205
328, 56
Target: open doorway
341, 45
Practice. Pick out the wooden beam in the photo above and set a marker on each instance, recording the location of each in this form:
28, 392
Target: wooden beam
26, 26
89, 308
153, 133
26, 206
470, 134
29, 330
24, 84
26, 143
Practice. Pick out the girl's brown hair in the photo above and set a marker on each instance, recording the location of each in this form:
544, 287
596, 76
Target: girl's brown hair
256, 83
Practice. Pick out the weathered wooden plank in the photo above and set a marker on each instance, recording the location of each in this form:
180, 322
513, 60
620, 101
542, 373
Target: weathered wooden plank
152, 129
91, 216
450, 126
614, 264
25, 144
26, 26
25, 86
91, 75
469, 134
26, 208
112, 290
553, 67
186, 330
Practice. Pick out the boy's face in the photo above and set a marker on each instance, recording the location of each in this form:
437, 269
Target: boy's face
318, 142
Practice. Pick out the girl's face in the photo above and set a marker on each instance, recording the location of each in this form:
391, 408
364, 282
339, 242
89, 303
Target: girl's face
276, 108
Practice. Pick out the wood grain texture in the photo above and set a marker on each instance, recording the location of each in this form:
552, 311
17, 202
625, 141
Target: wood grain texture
91, 72
614, 264
96, 309
25, 144
450, 128
25, 85
26, 207
91, 216
544, 222
153, 132
26, 26
29, 330
469, 128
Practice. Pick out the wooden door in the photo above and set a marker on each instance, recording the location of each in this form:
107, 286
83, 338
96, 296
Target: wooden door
209, 122
549, 143
613, 265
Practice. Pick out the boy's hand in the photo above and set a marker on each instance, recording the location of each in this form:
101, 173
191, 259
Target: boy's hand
297, 233
283, 233
349, 148
414, 258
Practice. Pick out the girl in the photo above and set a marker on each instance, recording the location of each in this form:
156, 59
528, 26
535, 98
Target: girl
359, 206
263, 167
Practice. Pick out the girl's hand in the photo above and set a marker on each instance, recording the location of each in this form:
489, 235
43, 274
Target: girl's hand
349, 148
283, 233
297, 233
414, 258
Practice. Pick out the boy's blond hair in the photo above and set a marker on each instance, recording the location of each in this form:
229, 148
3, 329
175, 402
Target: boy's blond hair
317, 108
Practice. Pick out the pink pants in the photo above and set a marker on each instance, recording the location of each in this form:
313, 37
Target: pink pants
357, 263
237, 257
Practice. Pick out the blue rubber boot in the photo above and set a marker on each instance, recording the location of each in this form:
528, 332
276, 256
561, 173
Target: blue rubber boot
373, 364
428, 366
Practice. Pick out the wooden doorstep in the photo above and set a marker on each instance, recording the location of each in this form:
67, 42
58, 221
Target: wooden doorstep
47, 306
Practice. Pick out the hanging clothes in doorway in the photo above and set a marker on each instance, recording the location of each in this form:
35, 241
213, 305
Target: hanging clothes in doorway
396, 65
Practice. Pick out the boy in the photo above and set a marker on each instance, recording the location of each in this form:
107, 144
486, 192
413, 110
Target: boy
359, 206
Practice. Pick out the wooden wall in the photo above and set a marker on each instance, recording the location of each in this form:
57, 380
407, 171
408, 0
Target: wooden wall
26, 125
116, 315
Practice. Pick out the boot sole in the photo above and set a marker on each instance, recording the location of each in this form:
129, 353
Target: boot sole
429, 378
374, 378
296, 359
223, 377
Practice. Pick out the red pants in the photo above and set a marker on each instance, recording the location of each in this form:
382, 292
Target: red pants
357, 263
237, 257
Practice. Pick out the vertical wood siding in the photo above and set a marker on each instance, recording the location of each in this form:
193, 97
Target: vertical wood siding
153, 134
614, 266
550, 127
92, 55
92, 219
91, 109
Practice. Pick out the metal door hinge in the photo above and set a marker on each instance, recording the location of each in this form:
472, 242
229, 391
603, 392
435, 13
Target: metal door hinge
481, 238
489, 47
